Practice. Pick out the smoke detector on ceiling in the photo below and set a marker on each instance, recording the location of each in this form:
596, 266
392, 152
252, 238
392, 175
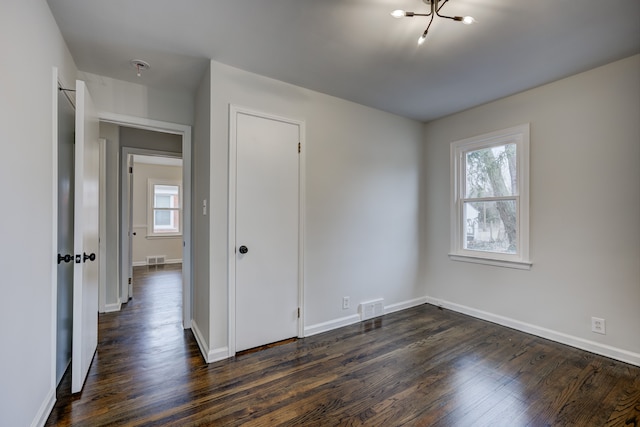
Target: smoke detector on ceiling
140, 66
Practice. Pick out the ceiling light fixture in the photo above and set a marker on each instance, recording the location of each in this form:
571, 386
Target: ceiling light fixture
140, 66
436, 5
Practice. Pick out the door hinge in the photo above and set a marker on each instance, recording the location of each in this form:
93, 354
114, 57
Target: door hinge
298, 312
299, 147
129, 280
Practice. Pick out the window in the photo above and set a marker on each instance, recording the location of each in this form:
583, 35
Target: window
490, 198
164, 212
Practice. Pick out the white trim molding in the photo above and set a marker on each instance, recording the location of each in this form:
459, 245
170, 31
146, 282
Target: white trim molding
166, 261
45, 409
460, 198
209, 355
330, 325
110, 308
560, 337
185, 132
404, 305
518, 265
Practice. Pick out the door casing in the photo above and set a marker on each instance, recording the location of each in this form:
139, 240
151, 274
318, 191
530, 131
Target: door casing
234, 110
187, 264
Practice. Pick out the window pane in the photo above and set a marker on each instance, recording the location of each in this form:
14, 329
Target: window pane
163, 201
162, 218
490, 226
166, 189
166, 196
491, 172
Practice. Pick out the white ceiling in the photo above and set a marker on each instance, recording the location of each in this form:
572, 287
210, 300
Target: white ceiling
354, 49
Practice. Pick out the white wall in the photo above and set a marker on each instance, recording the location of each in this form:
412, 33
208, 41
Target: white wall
142, 245
363, 198
585, 212
131, 99
201, 221
30, 46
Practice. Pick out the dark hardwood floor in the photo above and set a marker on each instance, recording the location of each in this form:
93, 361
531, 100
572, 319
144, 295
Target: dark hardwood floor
419, 367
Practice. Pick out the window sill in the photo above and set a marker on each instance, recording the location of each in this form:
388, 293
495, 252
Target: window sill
519, 265
162, 236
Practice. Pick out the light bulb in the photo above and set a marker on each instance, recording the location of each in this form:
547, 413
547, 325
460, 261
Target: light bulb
398, 13
468, 20
422, 39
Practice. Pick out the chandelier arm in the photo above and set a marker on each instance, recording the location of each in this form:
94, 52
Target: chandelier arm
429, 26
453, 18
441, 6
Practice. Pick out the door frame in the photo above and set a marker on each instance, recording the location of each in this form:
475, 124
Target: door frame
234, 110
102, 244
57, 82
185, 132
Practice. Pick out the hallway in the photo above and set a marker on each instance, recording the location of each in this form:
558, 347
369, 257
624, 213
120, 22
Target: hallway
141, 349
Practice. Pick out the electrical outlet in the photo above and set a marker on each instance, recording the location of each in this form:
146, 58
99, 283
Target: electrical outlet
598, 325
345, 303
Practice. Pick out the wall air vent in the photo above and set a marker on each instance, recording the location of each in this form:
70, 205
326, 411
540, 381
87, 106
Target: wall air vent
156, 260
371, 309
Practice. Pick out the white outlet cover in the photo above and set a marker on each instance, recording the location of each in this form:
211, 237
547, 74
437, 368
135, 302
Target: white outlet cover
598, 325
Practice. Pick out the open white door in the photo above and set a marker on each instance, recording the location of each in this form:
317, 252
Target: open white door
86, 231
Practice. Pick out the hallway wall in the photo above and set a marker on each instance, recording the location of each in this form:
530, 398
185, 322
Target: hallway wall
30, 46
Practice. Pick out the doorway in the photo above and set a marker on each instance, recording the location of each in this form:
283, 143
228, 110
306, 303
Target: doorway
184, 134
154, 212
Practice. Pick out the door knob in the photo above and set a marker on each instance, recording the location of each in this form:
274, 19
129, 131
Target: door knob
65, 258
243, 249
86, 257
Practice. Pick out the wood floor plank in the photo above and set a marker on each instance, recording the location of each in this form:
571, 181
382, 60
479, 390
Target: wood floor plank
419, 367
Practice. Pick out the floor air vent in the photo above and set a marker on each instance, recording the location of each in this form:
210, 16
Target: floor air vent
371, 309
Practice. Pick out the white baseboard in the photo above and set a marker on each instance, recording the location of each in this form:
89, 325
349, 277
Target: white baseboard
166, 261
202, 343
210, 355
404, 305
217, 354
45, 409
319, 328
110, 308
581, 343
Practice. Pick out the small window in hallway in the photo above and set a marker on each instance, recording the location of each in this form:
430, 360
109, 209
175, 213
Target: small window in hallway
164, 212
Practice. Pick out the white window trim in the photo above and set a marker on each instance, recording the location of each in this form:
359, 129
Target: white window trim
150, 193
520, 136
